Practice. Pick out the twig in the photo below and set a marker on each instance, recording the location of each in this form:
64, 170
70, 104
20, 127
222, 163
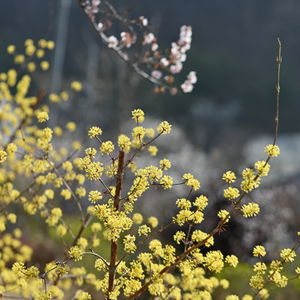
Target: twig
97, 255
76, 199
84, 224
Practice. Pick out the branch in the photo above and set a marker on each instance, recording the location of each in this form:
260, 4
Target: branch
114, 244
139, 48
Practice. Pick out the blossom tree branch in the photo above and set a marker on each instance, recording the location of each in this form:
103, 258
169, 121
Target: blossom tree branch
139, 47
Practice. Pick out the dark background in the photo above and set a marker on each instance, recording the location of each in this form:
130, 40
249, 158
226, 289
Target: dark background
233, 52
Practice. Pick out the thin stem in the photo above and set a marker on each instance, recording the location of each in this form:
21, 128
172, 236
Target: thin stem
84, 224
222, 222
76, 199
140, 148
105, 186
97, 255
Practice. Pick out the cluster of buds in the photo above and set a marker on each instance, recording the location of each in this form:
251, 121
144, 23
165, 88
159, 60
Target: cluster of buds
179, 49
91, 7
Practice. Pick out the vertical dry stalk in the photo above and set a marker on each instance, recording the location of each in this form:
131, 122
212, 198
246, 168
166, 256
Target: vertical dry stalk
114, 244
222, 222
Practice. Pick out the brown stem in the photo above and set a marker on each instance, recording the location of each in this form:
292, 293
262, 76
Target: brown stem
114, 244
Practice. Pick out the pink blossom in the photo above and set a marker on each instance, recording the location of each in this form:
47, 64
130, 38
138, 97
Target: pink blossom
156, 74
149, 38
187, 87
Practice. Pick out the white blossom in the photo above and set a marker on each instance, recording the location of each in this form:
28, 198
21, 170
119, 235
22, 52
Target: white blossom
149, 38
156, 74
176, 68
192, 77
112, 42
100, 26
164, 62
154, 47
144, 21
187, 87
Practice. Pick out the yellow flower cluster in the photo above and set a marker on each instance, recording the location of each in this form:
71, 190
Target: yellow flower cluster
94, 131
264, 274
38, 176
229, 177
138, 116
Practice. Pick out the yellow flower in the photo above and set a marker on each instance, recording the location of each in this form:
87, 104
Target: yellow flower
94, 196
107, 147
76, 86
232, 297
201, 202
31, 66
229, 177
11, 49
44, 65
153, 150
124, 143
42, 116
11, 148
54, 98
3, 156
262, 168
61, 230
153, 222
272, 150
164, 128
224, 214
144, 230
40, 53
166, 182
250, 210
50, 45
137, 218
231, 193
138, 115
138, 133
76, 253
29, 50
231, 260
179, 236
214, 261
129, 243
288, 255
259, 251
71, 126
19, 59
94, 131
165, 164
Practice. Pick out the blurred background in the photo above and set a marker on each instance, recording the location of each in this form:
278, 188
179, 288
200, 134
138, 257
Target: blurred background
223, 124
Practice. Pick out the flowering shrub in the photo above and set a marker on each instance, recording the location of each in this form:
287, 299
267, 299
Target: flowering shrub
40, 176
